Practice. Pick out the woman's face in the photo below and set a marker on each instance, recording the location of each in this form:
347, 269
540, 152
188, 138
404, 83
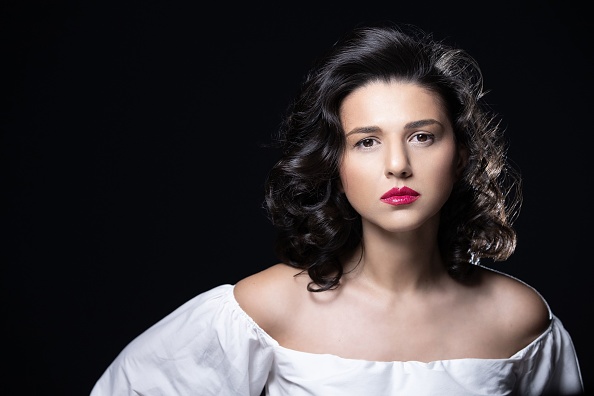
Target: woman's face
401, 159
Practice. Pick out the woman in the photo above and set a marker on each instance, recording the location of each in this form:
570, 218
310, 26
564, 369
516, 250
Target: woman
391, 186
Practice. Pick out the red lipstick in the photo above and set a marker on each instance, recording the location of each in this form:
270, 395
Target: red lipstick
400, 196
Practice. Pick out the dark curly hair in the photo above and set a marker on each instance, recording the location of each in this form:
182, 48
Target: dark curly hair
316, 224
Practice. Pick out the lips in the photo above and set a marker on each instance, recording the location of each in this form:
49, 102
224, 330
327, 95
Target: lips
400, 196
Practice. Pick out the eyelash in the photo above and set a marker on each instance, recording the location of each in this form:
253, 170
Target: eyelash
430, 139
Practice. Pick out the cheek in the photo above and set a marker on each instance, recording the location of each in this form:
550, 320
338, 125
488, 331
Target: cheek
446, 172
358, 183
351, 177
348, 177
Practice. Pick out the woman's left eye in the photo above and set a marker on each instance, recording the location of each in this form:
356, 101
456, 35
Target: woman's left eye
423, 138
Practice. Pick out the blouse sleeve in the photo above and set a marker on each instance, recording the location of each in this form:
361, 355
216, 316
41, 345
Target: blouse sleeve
552, 365
207, 346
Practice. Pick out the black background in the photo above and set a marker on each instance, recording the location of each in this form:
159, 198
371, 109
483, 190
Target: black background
131, 158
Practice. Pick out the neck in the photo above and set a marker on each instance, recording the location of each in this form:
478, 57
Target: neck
400, 262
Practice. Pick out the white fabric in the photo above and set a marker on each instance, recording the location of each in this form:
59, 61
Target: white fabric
210, 346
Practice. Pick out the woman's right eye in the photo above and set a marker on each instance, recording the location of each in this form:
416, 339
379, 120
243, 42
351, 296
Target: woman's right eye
365, 143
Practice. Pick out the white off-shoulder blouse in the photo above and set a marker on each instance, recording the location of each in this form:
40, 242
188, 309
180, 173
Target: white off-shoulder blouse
210, 346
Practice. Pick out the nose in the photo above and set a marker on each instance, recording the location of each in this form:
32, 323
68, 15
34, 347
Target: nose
397, 162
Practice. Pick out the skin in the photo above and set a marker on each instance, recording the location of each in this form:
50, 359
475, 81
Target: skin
396, 302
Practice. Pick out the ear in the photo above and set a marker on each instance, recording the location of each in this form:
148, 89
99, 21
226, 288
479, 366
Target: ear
462, 160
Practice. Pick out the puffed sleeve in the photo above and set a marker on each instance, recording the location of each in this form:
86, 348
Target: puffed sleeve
207, 346
551, 365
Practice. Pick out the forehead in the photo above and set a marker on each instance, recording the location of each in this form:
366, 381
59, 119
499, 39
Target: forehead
391, 101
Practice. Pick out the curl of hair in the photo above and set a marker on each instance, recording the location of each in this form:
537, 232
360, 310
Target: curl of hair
316, 224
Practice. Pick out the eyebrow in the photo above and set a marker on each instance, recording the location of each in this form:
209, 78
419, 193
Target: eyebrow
408, 125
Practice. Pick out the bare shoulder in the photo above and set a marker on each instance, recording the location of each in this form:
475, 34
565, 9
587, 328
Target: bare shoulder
519, 310
269, 295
